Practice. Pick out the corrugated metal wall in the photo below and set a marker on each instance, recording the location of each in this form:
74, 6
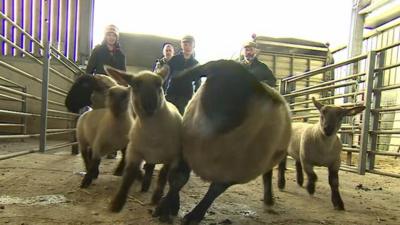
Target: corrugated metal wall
63, 25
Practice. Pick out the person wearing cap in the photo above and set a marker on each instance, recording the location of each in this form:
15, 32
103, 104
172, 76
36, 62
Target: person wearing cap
168, 51
107, 53
252, 64
179, 90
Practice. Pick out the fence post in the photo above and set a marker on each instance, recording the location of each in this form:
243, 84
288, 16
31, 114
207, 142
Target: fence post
375, 114
369, 81
45, 80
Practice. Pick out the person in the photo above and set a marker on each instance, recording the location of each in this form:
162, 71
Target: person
179, 90
252, 64
168, 51
107, 53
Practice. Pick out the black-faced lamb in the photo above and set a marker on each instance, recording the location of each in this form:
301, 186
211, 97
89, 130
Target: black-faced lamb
155, 135
318, 145
234, 129
103, 131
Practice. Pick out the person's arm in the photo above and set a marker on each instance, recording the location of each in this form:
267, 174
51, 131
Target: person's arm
267, 76
123, 62
90, 68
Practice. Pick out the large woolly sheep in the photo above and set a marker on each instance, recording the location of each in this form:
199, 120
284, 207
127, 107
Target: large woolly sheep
234, 129
105, 130
155, 135
318, 145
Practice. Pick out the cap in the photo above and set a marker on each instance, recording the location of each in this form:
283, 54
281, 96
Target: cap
250, 44
112, 29
187, 38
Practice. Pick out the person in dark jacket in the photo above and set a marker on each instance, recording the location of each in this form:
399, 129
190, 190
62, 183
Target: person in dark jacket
179, 90
108, 53
259, 69
168, 51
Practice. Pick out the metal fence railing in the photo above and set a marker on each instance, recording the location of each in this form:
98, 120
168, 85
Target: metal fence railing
360, 135
20, 88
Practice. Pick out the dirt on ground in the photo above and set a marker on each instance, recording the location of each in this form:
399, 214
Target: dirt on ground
43, 189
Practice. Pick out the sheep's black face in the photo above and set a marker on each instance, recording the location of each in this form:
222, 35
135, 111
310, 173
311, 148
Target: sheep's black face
331, 119
147, 93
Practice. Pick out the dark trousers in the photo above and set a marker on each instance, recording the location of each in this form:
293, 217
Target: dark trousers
179, 101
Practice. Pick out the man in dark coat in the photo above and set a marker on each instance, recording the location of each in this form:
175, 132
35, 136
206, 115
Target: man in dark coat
179, 90
259, 69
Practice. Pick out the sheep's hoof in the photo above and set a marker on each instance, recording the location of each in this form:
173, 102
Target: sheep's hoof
281, 185
155, 199
190, 219
311, 188
116, 205
86, 181
339, 208
145, 186
164, 210
269, 201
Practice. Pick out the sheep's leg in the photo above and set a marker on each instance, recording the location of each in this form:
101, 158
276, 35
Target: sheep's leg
132, 169
169, 205
267, 179
92, 173
334, 183
120, 168
281, 174
148, 174
161, 182
312, 177
86, 155
299, 174
197, 214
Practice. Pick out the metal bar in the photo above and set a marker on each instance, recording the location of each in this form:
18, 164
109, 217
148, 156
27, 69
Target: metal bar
332, 81
12, 98
45, 81
20, 49
328, 98
11, 125
295, 93
375, 117
53, 49
325, 68
18, 136
387, 67
384, 173
385, 132
366, 114
8, 112
281, 44
20, 29
10, 67
390, 109
388, 47
11, 82
61, 75
384, 153
53, 147
305, 117
62, 112
27, 95
386, 88
62, 129
347, 149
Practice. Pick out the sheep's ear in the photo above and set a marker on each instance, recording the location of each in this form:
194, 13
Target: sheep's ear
355, 110
317, 103
122, 77
163, 71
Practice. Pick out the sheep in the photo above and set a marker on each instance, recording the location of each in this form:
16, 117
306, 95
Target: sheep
234, 129
88, 90
155, 135
103, 131
318, 145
